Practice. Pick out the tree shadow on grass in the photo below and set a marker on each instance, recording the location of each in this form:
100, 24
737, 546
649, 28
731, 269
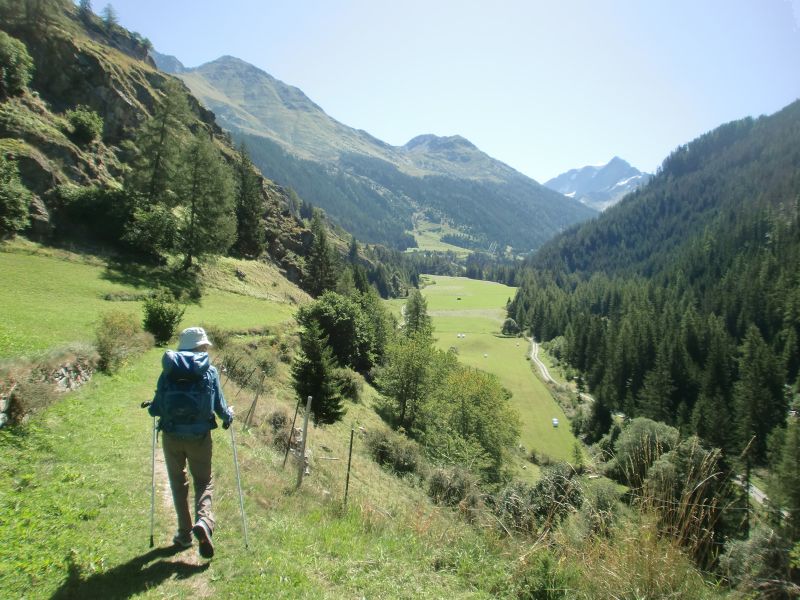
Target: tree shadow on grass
126, 580
183, 284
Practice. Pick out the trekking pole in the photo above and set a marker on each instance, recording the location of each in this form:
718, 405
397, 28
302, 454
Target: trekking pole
152, 481
239, 485
291, 431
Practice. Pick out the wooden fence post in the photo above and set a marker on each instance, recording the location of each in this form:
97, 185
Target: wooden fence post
301, 468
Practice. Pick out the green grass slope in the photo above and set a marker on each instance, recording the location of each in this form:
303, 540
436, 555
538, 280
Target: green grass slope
55, 298
75, 500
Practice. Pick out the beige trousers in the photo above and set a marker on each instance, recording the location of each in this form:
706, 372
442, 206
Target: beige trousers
197, 453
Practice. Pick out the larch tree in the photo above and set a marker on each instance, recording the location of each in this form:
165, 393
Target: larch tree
322, 272
250, 229
205, 191
153, 178
415, 316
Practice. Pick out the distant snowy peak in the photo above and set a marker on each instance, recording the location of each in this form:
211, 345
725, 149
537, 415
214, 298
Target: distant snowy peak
600, 186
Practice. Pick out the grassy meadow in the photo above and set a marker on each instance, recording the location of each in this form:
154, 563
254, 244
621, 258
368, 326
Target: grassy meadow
429, 237
53, 299
476, 309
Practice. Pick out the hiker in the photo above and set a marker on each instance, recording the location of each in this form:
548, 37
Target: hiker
188, 394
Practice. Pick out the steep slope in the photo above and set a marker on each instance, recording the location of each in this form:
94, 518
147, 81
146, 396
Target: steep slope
80, 62
702, 187
368, 186
600, 186
682, 302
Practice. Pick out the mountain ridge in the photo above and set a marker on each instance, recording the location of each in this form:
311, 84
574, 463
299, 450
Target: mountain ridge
600, 186
348, 172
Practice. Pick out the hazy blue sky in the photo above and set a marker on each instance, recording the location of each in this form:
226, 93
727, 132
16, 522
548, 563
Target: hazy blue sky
542, 86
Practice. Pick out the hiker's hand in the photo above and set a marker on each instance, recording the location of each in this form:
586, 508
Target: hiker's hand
226, 422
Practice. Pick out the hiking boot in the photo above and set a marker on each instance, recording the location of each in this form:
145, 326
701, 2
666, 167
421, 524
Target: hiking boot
203, 535
182, 540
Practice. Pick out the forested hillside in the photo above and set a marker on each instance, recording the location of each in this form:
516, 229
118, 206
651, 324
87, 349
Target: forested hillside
682, 303
99, 148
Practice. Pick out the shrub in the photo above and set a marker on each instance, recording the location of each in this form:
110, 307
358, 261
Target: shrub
279, 428
118, 337
640, 444
759, 564
350, 383
93, 212
541, 459
285, 351
450, 487
510, 327
14, 199
86, 126
16, 66
394, 451
218, 336
28, 397
541, 577
125, 297
29, 385
162, 315
248, 365
525, 508
600, 507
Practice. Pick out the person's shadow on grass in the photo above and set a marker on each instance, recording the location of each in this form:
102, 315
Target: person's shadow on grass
133, 577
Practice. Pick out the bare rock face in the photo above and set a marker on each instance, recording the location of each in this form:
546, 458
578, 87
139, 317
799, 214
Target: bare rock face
40, 219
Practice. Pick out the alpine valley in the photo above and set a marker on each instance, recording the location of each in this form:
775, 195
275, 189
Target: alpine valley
372, 189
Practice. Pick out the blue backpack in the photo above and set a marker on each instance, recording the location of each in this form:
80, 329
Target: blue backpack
187, 395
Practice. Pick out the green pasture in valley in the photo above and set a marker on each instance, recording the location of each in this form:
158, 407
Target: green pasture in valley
429, 237
476, 309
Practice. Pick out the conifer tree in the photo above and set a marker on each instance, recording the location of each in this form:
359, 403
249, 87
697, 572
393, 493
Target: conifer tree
758, 394
712, 414
152, 181
415, 316
360, 279
352, 252
250, 230
346, 286
785, 487
322, 272
109, 15
158, 143
205, 192
312, 375
656, 395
